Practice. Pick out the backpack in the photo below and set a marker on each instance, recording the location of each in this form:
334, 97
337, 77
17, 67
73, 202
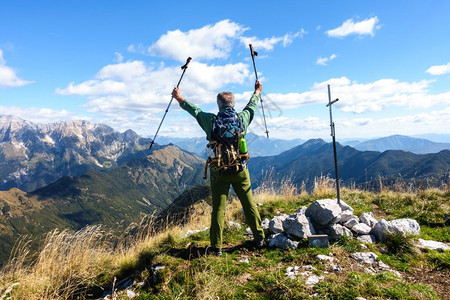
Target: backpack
226, 134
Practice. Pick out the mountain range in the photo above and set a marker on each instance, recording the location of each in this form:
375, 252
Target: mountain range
35, 155
402, 142
314, 158
258, 145
146, 185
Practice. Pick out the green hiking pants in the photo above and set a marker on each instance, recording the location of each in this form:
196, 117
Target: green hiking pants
220, 187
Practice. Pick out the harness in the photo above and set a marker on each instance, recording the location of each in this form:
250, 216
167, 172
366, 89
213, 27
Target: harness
228, 155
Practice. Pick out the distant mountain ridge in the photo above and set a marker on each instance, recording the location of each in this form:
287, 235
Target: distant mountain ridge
257, 145
401, 142
116, 198
35, 155
314, 158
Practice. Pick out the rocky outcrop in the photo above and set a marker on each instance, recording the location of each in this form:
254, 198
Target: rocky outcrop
335, 220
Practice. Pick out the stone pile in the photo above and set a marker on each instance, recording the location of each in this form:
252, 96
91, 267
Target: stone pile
335, 220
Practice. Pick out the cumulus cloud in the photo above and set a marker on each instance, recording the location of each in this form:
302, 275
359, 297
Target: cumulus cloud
8, 76
324, 60
133, 86
269, 43
439, 69
365, 97
208, 42
364, 27
41, 115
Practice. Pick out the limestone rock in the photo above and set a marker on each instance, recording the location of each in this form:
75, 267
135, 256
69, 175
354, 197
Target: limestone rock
298, 225
324, 257
337, 230
365, 257
276, 224
367, 238
432, 245
279, 240
234, 225
347, 216
351, 223
301, 210
403, 226
361, 229
265, 224
368, 219
325, 211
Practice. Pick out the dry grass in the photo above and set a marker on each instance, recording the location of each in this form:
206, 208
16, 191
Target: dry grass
69, 262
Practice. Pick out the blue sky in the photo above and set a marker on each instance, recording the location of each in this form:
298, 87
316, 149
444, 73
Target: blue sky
116, 62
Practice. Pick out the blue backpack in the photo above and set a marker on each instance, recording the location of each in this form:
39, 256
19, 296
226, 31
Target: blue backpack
226, 133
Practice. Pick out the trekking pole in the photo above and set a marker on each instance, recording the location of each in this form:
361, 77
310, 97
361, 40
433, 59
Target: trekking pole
254, 53
333, 134
184, 67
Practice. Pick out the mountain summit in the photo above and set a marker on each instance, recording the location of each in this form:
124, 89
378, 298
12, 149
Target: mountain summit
35, 155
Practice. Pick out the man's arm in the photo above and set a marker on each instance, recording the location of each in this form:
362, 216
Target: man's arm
249, 111
204, 119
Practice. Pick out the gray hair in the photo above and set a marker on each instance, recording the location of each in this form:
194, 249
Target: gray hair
225, 99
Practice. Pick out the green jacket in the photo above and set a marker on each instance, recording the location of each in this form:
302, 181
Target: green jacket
205, 120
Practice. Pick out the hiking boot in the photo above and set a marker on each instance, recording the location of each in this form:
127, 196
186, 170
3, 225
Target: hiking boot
213, 251
259, 243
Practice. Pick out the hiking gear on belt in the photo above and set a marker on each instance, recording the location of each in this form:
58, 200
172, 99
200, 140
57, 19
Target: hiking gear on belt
254, 53
184, 67
227, 130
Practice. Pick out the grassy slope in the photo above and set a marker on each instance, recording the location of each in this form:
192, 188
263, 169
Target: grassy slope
244, 273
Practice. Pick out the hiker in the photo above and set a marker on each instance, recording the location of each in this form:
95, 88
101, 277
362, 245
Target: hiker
229, 165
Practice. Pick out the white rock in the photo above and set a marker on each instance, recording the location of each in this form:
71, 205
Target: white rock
298, 225
131, 294
368, 219
336, 268
276, 224
383, 266
324, 257
347, 216
367, 238
191, 232
432, 245
323, 212
350, 223
361, 229
365, 257
337, 230
234, 225
265, 224
403, 226
301, 210
313, 279
360, 298
279, 240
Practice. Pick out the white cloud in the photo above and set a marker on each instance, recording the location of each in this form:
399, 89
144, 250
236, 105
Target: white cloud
41, 115
131, 87
269, 43
439, 70
364, 27
365, 97
324, 60
119, 57
8, 77
208, 42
